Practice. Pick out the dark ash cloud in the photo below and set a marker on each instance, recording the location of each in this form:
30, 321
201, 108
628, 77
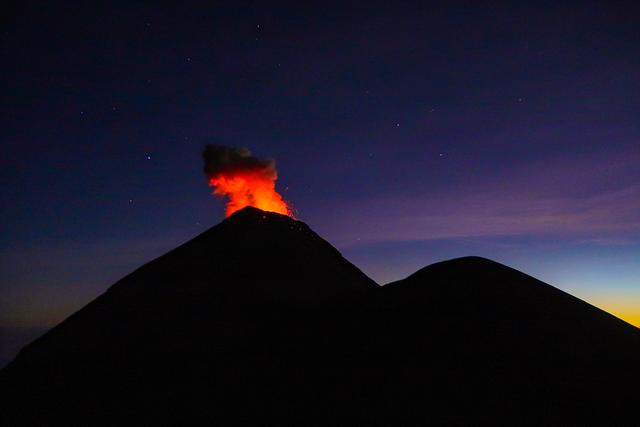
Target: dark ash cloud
221, 159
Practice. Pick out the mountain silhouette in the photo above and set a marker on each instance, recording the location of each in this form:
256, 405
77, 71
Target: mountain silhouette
504, 347
260, 321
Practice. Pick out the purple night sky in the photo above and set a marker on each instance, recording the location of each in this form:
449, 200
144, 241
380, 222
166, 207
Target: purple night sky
403, 134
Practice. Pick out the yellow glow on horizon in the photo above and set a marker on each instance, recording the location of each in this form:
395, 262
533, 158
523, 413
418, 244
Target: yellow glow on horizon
629, 311
630, 317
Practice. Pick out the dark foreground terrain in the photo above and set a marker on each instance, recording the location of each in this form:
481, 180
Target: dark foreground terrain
259, 321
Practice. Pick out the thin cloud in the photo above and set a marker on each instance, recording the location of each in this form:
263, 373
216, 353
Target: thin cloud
587, 203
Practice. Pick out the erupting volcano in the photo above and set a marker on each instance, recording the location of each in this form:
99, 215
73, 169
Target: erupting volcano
245, 179
260, 321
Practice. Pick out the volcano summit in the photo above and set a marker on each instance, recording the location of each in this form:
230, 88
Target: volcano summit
260, 321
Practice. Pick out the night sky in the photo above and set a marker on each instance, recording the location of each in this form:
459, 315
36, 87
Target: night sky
403, 134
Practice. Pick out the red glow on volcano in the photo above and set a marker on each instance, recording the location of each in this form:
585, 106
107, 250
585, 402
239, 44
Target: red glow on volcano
249, 188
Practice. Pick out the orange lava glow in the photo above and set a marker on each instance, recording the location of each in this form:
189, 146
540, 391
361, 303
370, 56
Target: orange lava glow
249, 188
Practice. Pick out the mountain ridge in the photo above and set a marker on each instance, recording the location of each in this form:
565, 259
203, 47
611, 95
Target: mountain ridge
455, 263
259, 319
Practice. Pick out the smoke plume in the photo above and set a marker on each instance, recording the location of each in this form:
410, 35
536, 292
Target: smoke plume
244, 179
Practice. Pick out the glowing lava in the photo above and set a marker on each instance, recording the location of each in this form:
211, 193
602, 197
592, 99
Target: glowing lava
245, 179
249, 188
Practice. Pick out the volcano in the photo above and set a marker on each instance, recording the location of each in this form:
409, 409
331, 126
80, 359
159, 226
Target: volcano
260, 321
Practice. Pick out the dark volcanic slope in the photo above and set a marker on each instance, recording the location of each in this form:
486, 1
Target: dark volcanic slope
503, 345
189, 333
259, 321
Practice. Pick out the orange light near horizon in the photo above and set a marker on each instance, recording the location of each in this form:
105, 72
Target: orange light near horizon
249, 188
628, 314
624, 306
